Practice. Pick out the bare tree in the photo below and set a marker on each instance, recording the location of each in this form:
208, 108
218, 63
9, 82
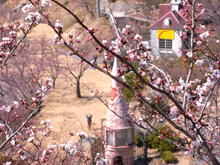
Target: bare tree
193, 104
151, 77
49, 57
89, 5
76, 69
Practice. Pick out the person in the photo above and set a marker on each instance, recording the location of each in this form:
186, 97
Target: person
89, 120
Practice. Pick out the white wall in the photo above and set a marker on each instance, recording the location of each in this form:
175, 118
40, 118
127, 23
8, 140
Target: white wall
177, 43
154, 43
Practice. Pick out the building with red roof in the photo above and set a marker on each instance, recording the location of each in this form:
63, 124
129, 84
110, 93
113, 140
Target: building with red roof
167, 30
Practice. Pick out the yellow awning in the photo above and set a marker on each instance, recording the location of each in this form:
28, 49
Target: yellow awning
165, 34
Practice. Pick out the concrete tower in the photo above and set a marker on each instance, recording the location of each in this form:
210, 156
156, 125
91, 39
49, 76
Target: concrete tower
118, 132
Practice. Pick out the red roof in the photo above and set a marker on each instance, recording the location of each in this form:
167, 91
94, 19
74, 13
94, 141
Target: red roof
182, 9
164, 9
177, 18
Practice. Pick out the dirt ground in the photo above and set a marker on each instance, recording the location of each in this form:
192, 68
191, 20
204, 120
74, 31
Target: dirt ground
68, 113
63, 108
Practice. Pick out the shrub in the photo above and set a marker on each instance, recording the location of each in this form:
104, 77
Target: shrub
131, 80
160, 103
128, 94
161, 144
163, 2
138, 140
166, 146
4, 159
112, 0
168, 157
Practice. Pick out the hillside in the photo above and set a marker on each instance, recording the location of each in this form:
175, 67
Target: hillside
61, 106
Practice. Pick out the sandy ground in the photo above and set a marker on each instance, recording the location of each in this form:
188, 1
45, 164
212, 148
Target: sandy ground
41, 30
67, 112
64, 109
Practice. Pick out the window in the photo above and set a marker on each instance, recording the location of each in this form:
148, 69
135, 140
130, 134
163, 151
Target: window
120, 138
130, 137
110, 138
165, 45
167, 22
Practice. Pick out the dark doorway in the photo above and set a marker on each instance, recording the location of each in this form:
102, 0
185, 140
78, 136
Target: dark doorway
118, 160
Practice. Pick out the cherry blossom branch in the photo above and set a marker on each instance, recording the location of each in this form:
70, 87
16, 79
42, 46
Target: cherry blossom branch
5, 123
162, 113
113, 21
36, 104
10, 57
143, 127
205, 54
109, 74
215, 11
210, 51
23, 124
115, 26
114, 54
166, 137
198, 135
191, 52
207, 99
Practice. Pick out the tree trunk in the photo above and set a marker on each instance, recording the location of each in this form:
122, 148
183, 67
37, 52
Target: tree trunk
78, 93
87, 8
98, 8
145, 150
54, 82
89, 11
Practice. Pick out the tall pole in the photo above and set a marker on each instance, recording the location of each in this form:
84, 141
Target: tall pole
98, 8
